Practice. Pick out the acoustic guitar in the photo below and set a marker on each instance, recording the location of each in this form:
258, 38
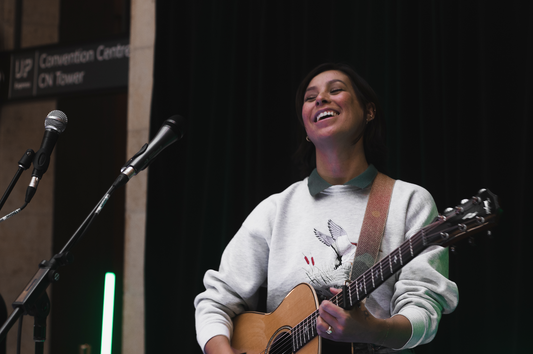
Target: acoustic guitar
291, 327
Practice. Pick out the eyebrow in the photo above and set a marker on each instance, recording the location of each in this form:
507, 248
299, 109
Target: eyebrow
329, 82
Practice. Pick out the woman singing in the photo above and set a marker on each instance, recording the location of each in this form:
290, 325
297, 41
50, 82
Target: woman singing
309, 233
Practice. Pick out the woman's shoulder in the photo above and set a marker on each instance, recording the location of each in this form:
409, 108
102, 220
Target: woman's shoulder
287, 193
270, 204
413, 190
414, 199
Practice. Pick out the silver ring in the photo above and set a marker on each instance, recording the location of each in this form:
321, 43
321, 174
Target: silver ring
329, 331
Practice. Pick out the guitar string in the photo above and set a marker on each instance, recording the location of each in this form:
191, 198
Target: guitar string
285, 346
416, 240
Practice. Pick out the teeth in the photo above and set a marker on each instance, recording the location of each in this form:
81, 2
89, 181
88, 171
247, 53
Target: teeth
326, 114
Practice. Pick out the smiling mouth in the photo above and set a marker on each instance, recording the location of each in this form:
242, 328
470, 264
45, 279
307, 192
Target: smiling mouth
326, 115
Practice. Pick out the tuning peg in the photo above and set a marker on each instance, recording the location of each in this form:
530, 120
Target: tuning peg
464, 201
448, 210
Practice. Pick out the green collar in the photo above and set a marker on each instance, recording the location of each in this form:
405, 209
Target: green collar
316, 184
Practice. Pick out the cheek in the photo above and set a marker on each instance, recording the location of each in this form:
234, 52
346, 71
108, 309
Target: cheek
306, 125
305, 115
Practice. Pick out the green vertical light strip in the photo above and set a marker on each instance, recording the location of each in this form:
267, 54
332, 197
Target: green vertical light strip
107, 317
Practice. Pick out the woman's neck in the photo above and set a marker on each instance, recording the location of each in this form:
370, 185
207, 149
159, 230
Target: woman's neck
338, 166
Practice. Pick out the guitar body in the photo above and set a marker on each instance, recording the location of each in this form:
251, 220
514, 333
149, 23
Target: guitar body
256, 332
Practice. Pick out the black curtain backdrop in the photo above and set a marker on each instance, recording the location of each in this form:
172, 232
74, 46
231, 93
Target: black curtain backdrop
455, 80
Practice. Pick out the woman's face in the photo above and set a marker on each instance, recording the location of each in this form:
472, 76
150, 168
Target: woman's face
331, 111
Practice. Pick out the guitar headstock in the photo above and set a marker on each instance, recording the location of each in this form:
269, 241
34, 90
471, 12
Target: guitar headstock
478, 213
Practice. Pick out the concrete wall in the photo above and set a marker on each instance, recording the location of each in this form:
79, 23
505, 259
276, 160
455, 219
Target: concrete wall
26, 238
139, 99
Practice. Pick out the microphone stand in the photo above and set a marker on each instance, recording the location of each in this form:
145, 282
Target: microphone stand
24, 164
33, 300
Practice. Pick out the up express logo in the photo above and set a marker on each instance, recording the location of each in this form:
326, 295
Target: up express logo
23, 67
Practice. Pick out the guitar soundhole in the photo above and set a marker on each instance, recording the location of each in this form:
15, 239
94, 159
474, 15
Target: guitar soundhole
281, 342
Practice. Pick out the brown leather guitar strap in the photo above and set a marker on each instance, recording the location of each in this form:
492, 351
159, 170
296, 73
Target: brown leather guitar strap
372, 230
373, 226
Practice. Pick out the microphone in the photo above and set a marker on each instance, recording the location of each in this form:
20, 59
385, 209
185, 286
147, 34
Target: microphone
171, 130
54, 124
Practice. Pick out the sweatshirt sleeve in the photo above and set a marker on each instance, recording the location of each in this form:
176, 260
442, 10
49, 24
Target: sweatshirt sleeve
233, 288
423, 291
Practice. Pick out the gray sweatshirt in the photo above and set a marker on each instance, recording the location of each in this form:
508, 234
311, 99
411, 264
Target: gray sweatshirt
280, 246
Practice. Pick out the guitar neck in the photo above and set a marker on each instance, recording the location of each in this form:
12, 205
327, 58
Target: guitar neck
367, 282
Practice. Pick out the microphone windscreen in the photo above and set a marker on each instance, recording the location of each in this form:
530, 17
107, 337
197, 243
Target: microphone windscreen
56, 120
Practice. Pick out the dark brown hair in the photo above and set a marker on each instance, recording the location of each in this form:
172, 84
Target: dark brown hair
374, 135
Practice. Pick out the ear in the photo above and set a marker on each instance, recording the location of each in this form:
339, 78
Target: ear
370, 111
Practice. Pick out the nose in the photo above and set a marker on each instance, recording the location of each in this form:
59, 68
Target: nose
321, 99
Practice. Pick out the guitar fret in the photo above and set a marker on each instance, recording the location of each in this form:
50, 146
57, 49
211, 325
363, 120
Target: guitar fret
411, 247
297, 337
372, 274
313, 325
400, 251
350, 296
381, 268
390, 263
301, 337
306, 330
357, 290
294, 338
364, 284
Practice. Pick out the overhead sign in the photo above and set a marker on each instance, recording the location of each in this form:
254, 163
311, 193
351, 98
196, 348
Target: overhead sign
59, 70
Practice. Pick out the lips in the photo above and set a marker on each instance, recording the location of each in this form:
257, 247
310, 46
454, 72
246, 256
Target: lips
325, 114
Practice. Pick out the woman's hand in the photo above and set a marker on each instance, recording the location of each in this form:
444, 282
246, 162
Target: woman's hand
358, 325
